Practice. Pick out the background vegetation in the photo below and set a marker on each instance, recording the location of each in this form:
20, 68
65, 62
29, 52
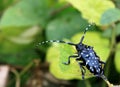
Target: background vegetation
25, 23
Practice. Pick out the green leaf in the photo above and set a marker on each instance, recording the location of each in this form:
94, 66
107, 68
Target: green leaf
25, 13
16, 24
108, 32
117, 58
26, 37
59, 53
118, 29
14, 43
69, 23
8, 46
92, 9
110, 16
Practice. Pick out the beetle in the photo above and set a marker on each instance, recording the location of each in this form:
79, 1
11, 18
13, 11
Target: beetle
86, 56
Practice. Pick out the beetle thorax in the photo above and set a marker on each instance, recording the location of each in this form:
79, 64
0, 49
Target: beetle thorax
80, 47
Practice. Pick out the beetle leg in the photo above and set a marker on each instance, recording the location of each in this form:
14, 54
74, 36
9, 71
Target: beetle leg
68, 62
82, 69
102, 62
78, 58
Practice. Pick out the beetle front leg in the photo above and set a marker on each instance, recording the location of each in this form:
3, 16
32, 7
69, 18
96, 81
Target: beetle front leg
68, 62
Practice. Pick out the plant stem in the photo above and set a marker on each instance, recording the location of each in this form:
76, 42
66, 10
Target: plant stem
112, 48
113, 41
17, 77
111, 54
27, 68
87, 83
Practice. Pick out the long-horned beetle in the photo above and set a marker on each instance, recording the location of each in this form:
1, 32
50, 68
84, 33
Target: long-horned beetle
86, 56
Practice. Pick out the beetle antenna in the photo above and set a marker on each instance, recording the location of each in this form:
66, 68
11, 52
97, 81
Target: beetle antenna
86, 29
56, 41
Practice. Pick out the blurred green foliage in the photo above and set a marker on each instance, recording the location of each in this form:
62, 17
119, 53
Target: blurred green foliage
92, 10
24, 23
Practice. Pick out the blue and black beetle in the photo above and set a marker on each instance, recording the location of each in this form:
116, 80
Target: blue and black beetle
85, 56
